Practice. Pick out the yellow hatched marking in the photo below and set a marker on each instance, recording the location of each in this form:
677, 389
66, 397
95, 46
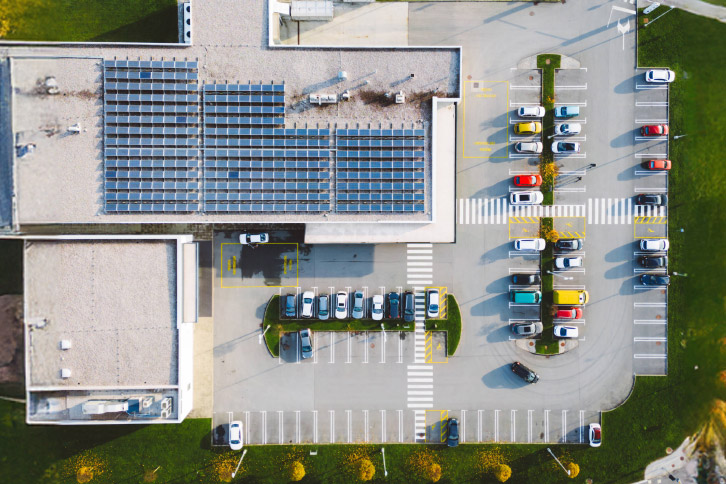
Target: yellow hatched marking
429, 347
444, 419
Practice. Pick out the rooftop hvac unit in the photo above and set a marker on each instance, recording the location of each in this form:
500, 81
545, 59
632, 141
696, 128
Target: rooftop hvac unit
187, 7
65, 344
98, 407
65, 373
166, 404
400, 98
165, 413
346, 95
147, 402
311, 10
323, 99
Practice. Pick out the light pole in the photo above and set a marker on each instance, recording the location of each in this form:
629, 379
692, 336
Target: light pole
678, 136
558, 461
682, 274
659, 16
239, 463
567, 278
263, 334
383, 453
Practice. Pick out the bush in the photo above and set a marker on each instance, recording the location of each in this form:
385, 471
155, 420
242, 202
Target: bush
503, 472
574, 469
433, 472
297, 471
366, 470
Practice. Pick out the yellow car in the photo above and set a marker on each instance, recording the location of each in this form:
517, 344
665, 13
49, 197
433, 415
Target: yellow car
528, 128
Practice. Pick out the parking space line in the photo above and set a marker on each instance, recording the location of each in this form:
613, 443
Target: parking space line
264, 426
480, 414
547, 426
247, 426
582, 425
297, 426
332, 346
349, 346
645, 339
564, 426
400, 348
649, 321
529, 426
512, 431
651, 173
400, 425
349, 414
365, 352
365, 424
315, 426
496, 425
332, 426
649, 304
650, 356
383, 426
281, 427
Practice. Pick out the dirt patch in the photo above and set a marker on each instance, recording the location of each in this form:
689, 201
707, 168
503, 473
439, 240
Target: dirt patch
11, 339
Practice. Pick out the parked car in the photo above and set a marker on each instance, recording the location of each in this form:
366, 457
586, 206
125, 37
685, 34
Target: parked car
358, 304
654, 130
526, 198
531, 111
568, 244
323, 307
655, 280
528, 147
660, 75
657, 165
565, 331
530, 328
527, 180
567, 111
432, 308
290, 311
565, 129
377, 311
307, 304
531, 127
568, 262
408, 307
565, 147
251, 239
525, 279
569, 313
452, 435
306, 343
654, 245
235, 435
525, 297
393, 305
595, 435
524, 373
653, 199
529, 244
341, 305
653, 261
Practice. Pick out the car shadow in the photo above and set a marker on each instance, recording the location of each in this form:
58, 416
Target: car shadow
497, 305
628, 85
497, 333
500, 285
503, 377
497, 253
619, 254
625, 139
628, 286
619, 271
497, 190
629, 173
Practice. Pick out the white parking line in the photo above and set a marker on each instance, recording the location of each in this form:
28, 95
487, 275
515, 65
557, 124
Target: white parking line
365, 353
648, 138
512, 432
649, 87
529, 426
383, 426
400, 425
564, 426
479, 414
644, 121
332, 347
297, 425
582, 425
524, 87
496, 425
649, 305
580, 87
650, 356
547, 426
264, 426
650, 321
349, 347
645, 339
651, 172
332, 426
349, 414
650, 155
365, 425
651, 103
281, 426
315, 426
247, 426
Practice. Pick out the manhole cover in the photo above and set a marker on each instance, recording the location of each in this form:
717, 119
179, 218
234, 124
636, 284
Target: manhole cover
531, 343
658, 343
658, 317
468, 77
547, 61
531, 14
373, 345
531, 78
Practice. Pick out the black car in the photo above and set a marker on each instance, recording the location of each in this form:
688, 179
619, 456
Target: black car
525, 279
653, 199
408, 307
568, 244
655, 280
393, 305
653, 262
524, 373
452, 439
290, 306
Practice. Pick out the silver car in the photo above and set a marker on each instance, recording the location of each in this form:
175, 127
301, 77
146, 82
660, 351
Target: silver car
323, 308
306, 343
527, 329
357, 305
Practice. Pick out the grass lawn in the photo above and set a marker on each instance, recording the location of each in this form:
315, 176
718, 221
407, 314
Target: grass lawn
11, 266
548, 63
452, 324
89, 20
546, 344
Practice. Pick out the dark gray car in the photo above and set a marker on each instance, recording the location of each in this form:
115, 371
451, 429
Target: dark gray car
568, 244
393, 305
527, 329
408, 307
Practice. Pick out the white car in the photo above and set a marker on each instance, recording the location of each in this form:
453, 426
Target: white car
307, 304
564, 129
595, 434
306, 343
235, 435
660, 75
565, 147
526, 198
531, 111
568, 262
528, 147
377, 311
529, 244
341, 305
654, 245
566, 331
432, 308
251, 239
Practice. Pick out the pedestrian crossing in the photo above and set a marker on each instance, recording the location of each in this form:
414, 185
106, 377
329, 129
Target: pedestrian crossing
597, 211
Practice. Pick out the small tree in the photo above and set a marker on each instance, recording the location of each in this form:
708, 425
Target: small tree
433, 472
297, 471
366, 470
549, 171
550, 234
574, 469
503, 472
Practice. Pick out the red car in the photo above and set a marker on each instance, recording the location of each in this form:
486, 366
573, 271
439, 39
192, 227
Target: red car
527, 181
569, 313
654, 130
663, 165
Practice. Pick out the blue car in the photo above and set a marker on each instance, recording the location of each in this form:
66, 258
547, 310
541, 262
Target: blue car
452, 439
567, 111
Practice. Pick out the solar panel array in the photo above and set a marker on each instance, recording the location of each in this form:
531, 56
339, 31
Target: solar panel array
380, 170
252, 163
151, 127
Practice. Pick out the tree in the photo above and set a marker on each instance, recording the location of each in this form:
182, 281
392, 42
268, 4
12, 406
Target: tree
574, 469
366, 470
503, 472
433, 472
297, 471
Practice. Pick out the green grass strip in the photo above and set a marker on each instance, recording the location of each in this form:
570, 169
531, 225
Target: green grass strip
547, 344
452, 325
548, 63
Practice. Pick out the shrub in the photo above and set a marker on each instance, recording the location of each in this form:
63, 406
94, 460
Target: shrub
503, 472
366, 470
574, 469
297, 471
550, 234
433, 472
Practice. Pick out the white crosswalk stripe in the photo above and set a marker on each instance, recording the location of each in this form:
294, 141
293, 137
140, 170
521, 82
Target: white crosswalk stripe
420, 377
477, 211
619, 211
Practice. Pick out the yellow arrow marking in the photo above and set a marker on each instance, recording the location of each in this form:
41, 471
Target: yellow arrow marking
234, 264
569, 224
651, 230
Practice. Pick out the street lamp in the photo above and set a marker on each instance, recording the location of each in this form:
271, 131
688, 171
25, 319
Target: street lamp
659, 16
682, 274
678, 136
383, 453
558, 461
239, 463
567, 278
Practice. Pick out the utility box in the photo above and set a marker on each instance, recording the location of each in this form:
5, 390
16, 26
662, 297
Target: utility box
187, 8
323, 98
311, 10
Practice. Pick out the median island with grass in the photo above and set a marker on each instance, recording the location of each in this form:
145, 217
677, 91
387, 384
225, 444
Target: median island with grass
278, 325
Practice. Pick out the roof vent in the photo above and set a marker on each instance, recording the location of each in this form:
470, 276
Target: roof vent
65, 373
65, 344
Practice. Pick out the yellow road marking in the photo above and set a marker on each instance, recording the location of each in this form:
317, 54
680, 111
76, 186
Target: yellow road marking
485, 149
